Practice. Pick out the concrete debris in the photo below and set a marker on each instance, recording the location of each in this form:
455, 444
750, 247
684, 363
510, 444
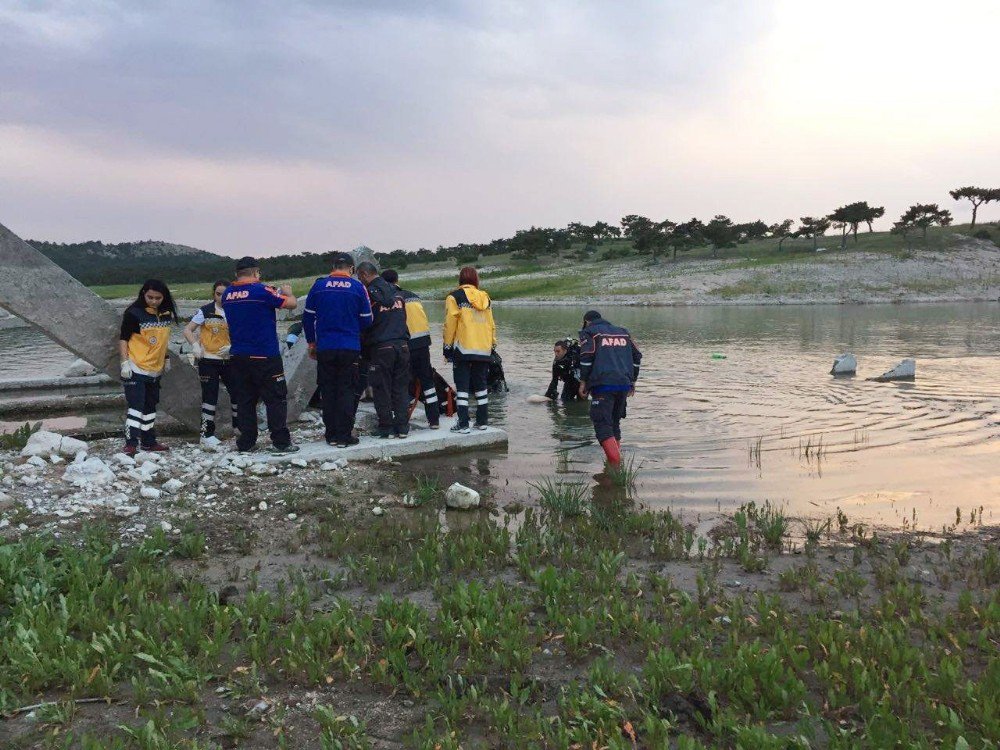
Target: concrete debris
173, 486
150, 493
45, 443
88, 472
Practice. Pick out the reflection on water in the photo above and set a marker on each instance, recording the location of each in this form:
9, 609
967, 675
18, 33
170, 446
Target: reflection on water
766, 422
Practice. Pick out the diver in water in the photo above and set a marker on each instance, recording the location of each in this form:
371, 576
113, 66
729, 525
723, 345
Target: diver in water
565, 368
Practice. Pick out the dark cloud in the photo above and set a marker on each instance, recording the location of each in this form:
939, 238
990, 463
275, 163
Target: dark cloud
350, 83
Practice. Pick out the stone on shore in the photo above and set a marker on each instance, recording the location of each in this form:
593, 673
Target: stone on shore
460, 497
79, 369
44, 443
905, 370
844, 364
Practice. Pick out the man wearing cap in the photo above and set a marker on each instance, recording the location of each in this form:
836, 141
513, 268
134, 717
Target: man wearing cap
337, 311
609, 367
255, 356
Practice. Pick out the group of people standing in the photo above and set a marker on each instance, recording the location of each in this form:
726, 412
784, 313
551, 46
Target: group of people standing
362, 329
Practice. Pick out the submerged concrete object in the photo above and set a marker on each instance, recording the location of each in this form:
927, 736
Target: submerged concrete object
80, 321
905, 370
844, 364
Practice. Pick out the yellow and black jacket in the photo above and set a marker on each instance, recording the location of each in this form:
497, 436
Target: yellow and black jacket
416, 320
147, 333
213, 330
469, 330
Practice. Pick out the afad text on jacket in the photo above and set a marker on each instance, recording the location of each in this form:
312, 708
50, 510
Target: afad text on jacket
609, 359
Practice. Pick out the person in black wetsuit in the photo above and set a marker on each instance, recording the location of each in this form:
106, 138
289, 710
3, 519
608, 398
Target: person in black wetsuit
565, 368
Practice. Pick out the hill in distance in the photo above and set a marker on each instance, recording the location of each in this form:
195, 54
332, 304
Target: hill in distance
96, 262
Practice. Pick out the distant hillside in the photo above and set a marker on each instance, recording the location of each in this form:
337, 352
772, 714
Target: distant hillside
96, 262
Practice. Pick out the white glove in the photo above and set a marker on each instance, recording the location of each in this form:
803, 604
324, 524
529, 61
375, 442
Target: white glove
166, 365
198, 350
224, 351
126, 370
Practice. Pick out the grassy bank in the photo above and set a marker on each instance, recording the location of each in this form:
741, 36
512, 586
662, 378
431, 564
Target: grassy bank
584, 622
613, 269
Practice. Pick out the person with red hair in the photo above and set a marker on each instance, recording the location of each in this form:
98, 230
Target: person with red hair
470, 336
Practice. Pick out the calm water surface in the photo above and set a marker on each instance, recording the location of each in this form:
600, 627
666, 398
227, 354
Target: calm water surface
885, 452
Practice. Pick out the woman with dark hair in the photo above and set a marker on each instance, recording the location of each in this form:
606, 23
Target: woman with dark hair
469, 339
208, 334
145, 333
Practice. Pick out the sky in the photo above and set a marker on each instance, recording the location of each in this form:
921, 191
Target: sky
310, 125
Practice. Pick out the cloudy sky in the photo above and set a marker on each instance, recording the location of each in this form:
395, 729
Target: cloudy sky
265, 127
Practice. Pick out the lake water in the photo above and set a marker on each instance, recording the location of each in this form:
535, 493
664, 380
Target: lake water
883, 452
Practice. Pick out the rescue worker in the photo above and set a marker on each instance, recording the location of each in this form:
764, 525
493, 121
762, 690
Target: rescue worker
387, 354
337, 311
469, 339
421, 370
256, 370
565, 368
142, 345
208, 335
609, 367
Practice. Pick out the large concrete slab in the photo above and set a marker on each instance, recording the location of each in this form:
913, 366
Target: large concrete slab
38, 291
421, 442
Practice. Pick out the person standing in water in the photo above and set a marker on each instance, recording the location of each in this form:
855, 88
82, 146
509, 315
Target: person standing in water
208, 334
142, 345
609, 368
470, 336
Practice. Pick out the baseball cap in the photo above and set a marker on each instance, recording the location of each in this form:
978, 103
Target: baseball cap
591, 315
246, 262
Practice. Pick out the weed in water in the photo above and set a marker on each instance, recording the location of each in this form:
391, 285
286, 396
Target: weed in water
562, 498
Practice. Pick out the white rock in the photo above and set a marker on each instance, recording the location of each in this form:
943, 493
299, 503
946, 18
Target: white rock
126, 510
45, 443
261, 505
88, 472
141, 459
378, 510
37, 461
844, 364
329, 466
263, 470
56, 459
124, 460
150, 493
299, 462
292, 516
79, 369
166, 526
905, 370
173, 486
461, 497
4, 523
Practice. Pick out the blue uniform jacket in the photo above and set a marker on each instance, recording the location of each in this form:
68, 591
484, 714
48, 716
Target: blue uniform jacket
337, 311
609, 359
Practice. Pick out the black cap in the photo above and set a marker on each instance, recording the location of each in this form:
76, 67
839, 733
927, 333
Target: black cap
246, 262
591, 315
342, 259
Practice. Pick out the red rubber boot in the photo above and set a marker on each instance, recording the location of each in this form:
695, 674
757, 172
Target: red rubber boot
612, 451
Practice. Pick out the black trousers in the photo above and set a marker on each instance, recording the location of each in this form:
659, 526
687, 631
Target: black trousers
211, 372
256, 379
422, 372
389, 378
606, 412
470, 379
337, 377
142, 394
